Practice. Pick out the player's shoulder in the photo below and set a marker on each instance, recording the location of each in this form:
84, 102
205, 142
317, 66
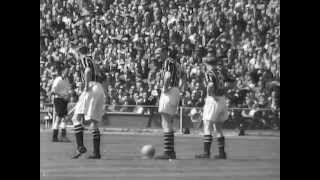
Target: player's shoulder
210, 72
221, 70
225, 73
57, 79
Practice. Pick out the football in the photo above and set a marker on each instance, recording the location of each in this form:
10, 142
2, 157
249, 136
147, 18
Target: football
147, 151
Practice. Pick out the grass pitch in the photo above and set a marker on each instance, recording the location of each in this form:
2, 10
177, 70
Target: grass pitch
249, 158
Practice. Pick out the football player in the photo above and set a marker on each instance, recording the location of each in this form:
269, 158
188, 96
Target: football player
215, 108
60, 89
168, 103
90, 106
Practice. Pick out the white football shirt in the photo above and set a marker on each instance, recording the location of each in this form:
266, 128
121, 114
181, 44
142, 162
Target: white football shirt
61, 87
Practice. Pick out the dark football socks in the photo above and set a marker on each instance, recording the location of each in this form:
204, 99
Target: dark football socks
96, 142
221, 145
207, 140
79, 135
169, 143
55, 135
63, 132
169, 152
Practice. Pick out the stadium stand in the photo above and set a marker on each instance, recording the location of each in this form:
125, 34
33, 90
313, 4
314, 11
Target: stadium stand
123, 36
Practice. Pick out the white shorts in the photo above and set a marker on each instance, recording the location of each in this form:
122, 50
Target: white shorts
169, 101
91, 103
215, 110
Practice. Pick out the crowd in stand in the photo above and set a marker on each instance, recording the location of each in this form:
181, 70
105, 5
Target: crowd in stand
124, 37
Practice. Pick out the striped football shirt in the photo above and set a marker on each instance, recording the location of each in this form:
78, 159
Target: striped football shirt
87, 62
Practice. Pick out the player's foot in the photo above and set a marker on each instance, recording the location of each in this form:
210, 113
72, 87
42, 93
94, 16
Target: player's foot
65, 139
186, 131
79, 152
173, 155
202, 156
166, 156
241, 133
55, 140
221, 156
94, 156
55, 135
163, 156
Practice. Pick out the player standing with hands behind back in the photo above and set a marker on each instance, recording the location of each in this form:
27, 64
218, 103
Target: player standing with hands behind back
60, 90
168, 103
215, 108
90, 106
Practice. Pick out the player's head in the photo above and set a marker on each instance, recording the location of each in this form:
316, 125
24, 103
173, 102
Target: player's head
210, 88
73, 97
64, 73
83, 50
161, 52
59, 71
173, 52
210, 59
169, 65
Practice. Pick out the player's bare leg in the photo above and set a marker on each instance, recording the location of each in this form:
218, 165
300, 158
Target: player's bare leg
221, 141
63, 137
207, 140
168, 135
96, 140
78, 129
55, 128
241, 129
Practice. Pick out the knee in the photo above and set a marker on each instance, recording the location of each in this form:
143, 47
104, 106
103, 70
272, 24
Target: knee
94, 125
218, 129
218, 126
167, 129
207, 128
65, 120
167, 124
76, 120
168, 121
57, 118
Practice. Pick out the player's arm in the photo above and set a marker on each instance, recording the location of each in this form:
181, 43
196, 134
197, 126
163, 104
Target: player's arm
206, 80
54, 86
209, 84
166, 81
87, 77
182, 80
69, 90
210, 89
244, 113
228, 79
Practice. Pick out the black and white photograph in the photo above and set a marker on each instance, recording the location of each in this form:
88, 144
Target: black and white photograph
160, 89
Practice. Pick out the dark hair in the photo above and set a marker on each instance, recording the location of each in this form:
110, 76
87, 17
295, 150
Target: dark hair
101, 77
74, 95
84, 50
173, 53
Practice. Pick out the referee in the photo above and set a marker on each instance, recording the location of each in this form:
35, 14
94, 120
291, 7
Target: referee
60, 89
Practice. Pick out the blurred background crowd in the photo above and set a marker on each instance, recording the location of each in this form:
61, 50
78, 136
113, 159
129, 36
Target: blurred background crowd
129, 38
